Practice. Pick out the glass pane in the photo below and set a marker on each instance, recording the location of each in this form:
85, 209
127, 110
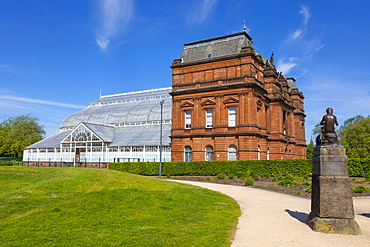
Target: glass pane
187, 119
209, 118
232, 116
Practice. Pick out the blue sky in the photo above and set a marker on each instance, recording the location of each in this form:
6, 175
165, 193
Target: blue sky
56, 56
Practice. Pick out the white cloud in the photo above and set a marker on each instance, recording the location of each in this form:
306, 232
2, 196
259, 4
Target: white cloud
200, 11
286, 65
305, 11
36, 101
300, 44
113, 18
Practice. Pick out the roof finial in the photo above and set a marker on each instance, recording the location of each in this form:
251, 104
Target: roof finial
272, 59
245, 26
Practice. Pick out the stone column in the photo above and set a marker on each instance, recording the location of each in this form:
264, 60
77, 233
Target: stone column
331, 201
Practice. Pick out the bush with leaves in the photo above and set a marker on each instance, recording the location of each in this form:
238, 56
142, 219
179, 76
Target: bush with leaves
17, 133
355, 136
249, 182
242, 168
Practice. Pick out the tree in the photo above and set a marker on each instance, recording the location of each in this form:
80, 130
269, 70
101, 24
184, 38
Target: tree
355, 136
17, 133
309, 150
317, 130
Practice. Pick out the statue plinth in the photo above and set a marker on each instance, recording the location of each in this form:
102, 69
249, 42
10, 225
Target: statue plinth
331, 200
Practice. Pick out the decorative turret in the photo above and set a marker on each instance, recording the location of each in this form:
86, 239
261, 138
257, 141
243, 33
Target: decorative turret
272, 60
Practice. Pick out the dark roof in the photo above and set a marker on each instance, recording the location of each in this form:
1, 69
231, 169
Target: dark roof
219, 37
215, 47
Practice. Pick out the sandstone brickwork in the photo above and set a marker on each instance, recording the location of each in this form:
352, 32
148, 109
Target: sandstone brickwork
227, 75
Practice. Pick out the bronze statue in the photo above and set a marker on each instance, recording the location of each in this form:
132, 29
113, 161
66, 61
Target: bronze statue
329, 137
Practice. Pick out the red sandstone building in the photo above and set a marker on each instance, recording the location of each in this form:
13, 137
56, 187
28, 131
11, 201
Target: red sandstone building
230, 103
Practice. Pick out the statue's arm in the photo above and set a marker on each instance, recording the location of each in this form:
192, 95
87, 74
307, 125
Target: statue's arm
335, 121
322, 121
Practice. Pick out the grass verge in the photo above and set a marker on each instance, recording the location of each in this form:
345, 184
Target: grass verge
90, 207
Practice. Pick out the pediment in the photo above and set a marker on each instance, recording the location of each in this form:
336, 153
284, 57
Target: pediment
208, 102
82, 133
231, 100
187, 104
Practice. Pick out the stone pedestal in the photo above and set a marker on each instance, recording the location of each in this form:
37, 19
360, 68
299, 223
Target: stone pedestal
331, 201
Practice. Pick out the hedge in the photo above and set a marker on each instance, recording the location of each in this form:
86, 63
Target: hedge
356, 167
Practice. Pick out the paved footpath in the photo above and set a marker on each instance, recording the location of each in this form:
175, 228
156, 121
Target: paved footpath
275, 219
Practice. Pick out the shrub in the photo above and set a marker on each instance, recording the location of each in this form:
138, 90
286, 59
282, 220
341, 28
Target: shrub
221, 176
359, 189
306, 183
367, 176
309, 190
255, 177
271, 167
266, 175
231, 176
358, 167
286, 182
249, 182
274, 168
242, 175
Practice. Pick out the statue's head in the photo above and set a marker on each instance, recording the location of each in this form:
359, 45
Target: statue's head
329, 110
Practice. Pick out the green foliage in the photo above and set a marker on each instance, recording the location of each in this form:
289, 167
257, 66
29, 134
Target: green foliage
309, 150
255, 176
258, 167
16, 133
358, 167
10, 161
359, 189
249, 182
316, 130
242, 175
221, 176
367, 176
309, 190
306, 183
287, 181
93, 207
231, 176
355, 136
242, 168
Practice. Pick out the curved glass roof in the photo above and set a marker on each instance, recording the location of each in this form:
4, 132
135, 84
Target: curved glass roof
128, 109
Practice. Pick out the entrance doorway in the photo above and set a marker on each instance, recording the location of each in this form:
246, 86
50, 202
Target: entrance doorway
80, 155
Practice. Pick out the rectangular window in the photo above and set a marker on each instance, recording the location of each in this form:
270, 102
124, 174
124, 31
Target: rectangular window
232, 116
187, 119
209, 119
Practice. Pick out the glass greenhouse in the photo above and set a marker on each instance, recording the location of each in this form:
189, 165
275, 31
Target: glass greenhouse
114, 128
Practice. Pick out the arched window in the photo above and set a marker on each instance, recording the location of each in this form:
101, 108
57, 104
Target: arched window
268, 154
187, 154
232, 152
209, 153
259, 153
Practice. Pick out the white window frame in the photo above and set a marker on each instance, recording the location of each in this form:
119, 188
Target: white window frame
209, 118
232, 116
209, 155
188, 154
188, 119
232, 152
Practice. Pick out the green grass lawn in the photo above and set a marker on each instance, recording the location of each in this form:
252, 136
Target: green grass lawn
91, 207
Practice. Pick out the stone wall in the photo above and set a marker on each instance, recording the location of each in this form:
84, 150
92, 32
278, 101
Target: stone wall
269, 114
